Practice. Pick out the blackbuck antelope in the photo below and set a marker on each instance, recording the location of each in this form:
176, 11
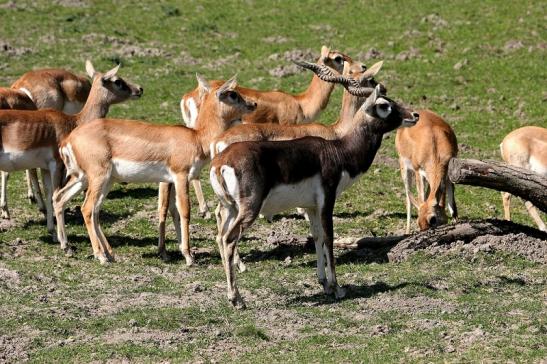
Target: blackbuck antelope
276, 107
47, 89
30, 139
526, 148
425, 150
18, 100
110, 150
269, 177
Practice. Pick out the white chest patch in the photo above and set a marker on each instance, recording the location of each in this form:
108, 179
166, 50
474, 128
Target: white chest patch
306, 193
14, 160
538, 167
345, 182
72, 107
130, 171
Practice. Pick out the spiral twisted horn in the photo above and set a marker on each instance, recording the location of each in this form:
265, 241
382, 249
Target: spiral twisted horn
353, 86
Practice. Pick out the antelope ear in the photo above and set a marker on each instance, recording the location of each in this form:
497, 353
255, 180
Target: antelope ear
369, 103
203, 84
372, 71
112, 72
90, 69
228, 85
324, 52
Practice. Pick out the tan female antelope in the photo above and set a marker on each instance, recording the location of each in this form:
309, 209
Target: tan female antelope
268, 177
107, 150
47, 89
276, 107
526, 148
425, 150
30, 139
18, 100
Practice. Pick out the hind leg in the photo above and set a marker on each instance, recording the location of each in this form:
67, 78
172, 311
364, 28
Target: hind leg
163, 207
532, 210
203, 209
4, 211
60, 198
34, 192
506, 198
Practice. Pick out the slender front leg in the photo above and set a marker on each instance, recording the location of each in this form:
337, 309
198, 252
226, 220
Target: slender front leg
203, 209
183, 208
326, 220
4, 212
451, 200
163, 207
47, 179
406, 174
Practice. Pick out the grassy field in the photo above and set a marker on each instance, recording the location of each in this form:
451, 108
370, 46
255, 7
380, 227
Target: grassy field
480, 64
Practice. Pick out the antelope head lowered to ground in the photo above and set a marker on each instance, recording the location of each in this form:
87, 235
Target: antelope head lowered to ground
268, 177
30, 139
105, 151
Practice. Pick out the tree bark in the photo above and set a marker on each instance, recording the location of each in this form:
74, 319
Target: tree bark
517, 181
464, 231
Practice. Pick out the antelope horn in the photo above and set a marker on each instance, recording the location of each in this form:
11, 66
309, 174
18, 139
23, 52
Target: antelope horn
326, 74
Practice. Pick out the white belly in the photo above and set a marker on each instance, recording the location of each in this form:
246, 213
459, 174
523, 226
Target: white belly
140, 172
15, 160
345, 182
538, 167
307, 193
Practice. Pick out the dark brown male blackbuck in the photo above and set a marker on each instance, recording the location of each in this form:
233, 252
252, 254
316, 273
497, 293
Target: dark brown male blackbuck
251, 178
30, 139
105, 151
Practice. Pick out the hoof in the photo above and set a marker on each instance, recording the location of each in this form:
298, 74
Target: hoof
241, 267
31, 199
340, 292
103, 259
164, 256
237, 302
69, 252
206, 214
189, 261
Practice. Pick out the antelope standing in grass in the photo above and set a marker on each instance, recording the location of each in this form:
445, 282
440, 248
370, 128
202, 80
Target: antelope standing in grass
269, 177
50, 88
108, 150
526, 148
30, 139
425, 150
276, 107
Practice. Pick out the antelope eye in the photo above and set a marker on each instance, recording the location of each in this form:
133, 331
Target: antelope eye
338, 59
232, 95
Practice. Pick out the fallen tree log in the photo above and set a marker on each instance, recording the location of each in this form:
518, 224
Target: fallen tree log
517, 181
462, 231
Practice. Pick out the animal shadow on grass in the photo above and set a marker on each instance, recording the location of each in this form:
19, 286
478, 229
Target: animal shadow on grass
281, 251
139, 192
202, 256
352, 292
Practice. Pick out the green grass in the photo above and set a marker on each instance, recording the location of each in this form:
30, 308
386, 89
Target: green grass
434, 309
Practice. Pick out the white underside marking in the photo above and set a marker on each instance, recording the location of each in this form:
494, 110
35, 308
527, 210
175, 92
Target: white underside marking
195, 169
345, 182
422, 173
538, 167
72, 107
306, 193
27, 92
408, 164
140, 172
14, 160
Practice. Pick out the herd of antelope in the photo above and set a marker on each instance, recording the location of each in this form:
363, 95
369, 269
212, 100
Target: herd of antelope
266, 153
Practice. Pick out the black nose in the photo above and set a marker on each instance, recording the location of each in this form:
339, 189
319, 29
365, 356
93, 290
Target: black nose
363, 67
433, 221
141, 90
416, 115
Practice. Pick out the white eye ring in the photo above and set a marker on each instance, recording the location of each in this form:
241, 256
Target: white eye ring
383, 112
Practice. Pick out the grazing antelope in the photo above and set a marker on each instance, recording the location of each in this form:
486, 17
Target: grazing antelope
107, 150
425, 150
276, 107
30, 139
526, 148
268, 177
19, 100
48, 89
